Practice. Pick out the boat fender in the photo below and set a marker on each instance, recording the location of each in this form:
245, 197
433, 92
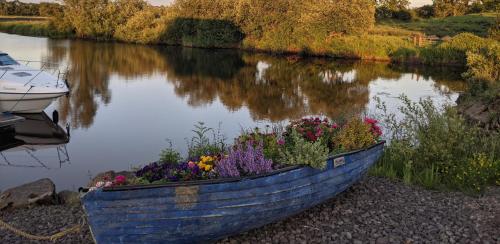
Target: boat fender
55, 117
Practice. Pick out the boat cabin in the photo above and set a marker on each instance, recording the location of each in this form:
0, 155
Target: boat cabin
5, 59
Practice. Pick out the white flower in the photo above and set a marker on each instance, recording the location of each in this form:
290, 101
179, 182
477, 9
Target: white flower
99, 184
92, 189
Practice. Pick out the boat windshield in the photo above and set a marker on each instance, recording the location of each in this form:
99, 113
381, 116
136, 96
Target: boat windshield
6, 60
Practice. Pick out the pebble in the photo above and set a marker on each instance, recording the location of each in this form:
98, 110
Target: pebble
375, 210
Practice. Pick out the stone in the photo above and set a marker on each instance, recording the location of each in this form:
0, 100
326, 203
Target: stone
69, 197
37, 192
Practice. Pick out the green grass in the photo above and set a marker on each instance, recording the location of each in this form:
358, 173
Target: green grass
30, 28
477, 24
436, 148
4, 18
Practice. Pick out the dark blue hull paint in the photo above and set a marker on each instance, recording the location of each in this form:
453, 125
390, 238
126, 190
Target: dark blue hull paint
208, 211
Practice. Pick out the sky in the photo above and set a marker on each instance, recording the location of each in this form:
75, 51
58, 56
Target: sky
414, 3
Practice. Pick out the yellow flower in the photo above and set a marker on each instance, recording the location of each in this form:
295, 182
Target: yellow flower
208, 168
201, 165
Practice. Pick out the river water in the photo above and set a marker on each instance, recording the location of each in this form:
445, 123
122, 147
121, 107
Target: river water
128, 101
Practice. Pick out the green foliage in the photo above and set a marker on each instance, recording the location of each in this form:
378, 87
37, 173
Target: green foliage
320, 18
426, 11
18, 8
281, 25
477, 24
31, 28
99, 19
200, 144
437, 148
268, 140
445, 8
355, 135
476, 173
484, 64
375, 47
494, 31
394, 4
170, 155
455, 51
298, 151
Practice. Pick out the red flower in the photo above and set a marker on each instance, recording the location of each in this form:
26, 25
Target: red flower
120, 180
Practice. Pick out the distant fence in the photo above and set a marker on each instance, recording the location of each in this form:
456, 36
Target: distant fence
423, 40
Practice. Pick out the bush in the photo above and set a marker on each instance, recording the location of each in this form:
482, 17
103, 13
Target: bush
356, 134
484, 64
383, 12
455, 51
299, 151
426, 11
438, 148
404, 15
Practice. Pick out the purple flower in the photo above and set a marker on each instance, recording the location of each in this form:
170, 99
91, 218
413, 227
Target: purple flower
245, 159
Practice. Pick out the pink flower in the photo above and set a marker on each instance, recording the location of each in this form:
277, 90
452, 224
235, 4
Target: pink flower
120, 179
99, 184
335, 126
191, 165
370, 121
281, 141
108, 184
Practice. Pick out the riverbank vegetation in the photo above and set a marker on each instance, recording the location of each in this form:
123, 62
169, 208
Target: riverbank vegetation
345, 29
437, 148
452, 147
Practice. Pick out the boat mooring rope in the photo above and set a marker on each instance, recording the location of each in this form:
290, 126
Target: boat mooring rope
53, 238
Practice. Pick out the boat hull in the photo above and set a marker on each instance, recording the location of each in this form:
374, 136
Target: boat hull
194, 212
27, 103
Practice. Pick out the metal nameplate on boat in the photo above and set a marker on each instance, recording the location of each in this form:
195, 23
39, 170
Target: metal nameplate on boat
338, 162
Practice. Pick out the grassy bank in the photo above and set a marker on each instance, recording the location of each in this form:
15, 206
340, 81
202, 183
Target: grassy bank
30, 26
4, 18
438, 149
477, 24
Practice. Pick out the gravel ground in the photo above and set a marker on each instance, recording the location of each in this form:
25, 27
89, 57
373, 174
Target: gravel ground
45, 221
373, 211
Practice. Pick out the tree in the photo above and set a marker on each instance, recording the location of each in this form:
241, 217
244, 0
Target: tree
446, 8
349, 17
394, 5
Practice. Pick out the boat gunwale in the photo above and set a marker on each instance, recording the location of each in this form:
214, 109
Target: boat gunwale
227, 180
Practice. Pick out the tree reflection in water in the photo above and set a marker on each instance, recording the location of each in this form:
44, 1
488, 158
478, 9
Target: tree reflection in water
272, 88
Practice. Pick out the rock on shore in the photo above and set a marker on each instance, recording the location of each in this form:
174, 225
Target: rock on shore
375, 210
38, 192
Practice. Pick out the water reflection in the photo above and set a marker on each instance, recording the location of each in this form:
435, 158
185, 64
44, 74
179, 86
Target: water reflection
20, 147
272, 88
126, 100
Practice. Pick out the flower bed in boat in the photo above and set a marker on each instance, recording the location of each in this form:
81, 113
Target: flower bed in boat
307, 142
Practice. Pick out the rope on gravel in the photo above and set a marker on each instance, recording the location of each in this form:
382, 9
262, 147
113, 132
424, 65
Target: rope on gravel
52, 238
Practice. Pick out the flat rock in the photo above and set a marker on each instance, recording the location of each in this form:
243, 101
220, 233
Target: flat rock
38, 192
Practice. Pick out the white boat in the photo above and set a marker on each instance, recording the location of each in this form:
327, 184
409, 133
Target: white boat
27, 90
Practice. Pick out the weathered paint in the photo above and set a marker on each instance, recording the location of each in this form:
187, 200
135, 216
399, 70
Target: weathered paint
209, 211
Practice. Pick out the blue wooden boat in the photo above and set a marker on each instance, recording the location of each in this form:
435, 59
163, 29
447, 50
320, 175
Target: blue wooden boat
205, 211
